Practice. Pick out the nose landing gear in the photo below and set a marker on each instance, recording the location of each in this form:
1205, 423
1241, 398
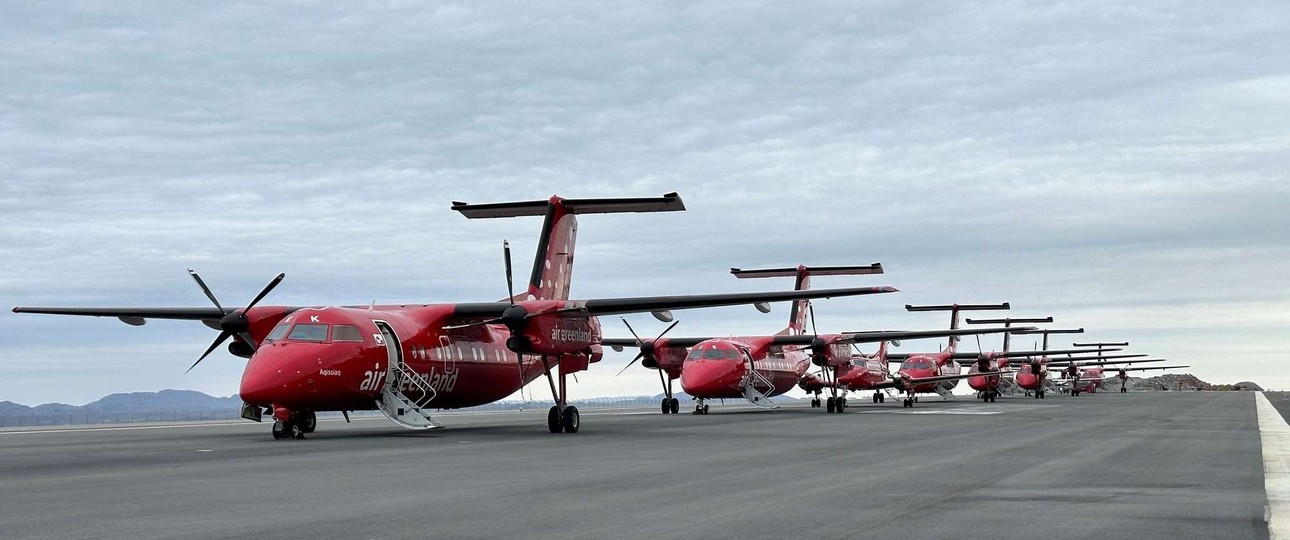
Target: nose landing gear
296, 424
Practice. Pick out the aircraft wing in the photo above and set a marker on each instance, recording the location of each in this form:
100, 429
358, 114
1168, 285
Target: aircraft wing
643, 304
1064, 365
1023, 354
871, 336
1153, 367
671, 342
135, 316
938, 378
1077, 359
185, 314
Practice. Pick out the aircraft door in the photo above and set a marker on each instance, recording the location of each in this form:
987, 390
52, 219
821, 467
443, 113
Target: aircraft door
393, 349
449, 359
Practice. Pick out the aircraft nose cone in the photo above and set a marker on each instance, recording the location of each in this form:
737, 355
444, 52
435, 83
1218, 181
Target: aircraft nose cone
703, 378
271, 376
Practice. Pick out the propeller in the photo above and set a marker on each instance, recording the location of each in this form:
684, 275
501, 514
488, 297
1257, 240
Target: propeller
647, 348
233, 323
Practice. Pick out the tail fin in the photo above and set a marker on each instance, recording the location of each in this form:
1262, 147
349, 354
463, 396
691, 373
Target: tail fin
1007, 323
954, 310
797, 316
553, 265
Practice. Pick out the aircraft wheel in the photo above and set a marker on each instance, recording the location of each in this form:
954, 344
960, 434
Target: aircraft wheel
705, 409
842, 406
667, 407
675, 405
553, 420
875, 398
279, 429
308, 422
882, 398
294, 431
831, 405
570, 420
915, 399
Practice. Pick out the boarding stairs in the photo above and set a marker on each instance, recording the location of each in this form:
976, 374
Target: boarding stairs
753, 384
399, 407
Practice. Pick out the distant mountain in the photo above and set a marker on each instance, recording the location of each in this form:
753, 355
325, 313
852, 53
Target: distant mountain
1168, 381
163, 400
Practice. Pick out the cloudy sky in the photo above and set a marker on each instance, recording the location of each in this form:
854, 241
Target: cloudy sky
1120, 166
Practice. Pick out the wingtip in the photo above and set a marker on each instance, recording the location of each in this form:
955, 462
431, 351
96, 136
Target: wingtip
17, 309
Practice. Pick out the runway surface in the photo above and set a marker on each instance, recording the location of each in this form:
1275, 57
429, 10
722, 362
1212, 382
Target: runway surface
1107, 465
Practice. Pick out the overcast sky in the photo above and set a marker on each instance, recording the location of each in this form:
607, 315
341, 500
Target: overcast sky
1118, 166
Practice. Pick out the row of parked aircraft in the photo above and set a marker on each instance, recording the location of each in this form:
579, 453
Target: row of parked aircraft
407, 360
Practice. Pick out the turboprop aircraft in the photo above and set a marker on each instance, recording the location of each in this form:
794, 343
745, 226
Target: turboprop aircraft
757, 368
670, 355
1089, 379
407, 359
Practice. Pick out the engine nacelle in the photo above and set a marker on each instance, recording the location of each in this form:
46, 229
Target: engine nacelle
555, 334
239, 348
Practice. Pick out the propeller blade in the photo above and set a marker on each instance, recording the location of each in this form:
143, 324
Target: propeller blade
246, 338
629, 364
510, 282
811, 310
666, 330
206, 290
639, 342
264, 292
219, 340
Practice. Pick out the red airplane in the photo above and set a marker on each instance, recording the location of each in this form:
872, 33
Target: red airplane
670, 356
406, 359
757, 368
1033, 375
935, 372
987, 386
873, 372
1088, 380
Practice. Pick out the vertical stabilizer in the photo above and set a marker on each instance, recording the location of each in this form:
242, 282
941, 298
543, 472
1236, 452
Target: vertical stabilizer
801, 308
553, 264
954, 310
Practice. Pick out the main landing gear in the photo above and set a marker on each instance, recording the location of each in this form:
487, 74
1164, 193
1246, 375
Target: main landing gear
562, 417
836, 405
910, 401
989, 395
297, 424
879, 397
815, 401
1039, 394
670, 405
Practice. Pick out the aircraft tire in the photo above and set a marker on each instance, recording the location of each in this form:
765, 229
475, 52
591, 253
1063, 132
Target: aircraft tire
705, 409
882, 398
294, 431
831, 405
553, 420
571, 420
675, 405
308, 422
667, 407
279, 429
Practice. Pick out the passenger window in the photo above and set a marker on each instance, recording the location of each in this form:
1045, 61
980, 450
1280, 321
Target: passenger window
309, 332
345, 332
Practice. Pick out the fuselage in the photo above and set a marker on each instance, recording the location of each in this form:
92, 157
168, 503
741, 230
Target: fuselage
337, 358
929, 365
719, 368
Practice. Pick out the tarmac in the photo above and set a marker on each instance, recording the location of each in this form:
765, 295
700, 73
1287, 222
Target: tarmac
1107, 465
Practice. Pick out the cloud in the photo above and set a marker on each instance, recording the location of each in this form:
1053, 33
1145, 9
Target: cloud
1107, 164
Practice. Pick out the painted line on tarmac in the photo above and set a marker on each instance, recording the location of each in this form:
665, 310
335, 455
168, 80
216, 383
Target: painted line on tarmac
937, 411
1275, 436
123, 428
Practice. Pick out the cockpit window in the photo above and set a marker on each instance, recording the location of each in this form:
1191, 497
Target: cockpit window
714, 353
278, 331
345, 332
309, 332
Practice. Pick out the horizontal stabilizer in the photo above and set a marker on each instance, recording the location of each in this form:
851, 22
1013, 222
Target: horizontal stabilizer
670, 202
1010, 320
875, 268
960, 307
